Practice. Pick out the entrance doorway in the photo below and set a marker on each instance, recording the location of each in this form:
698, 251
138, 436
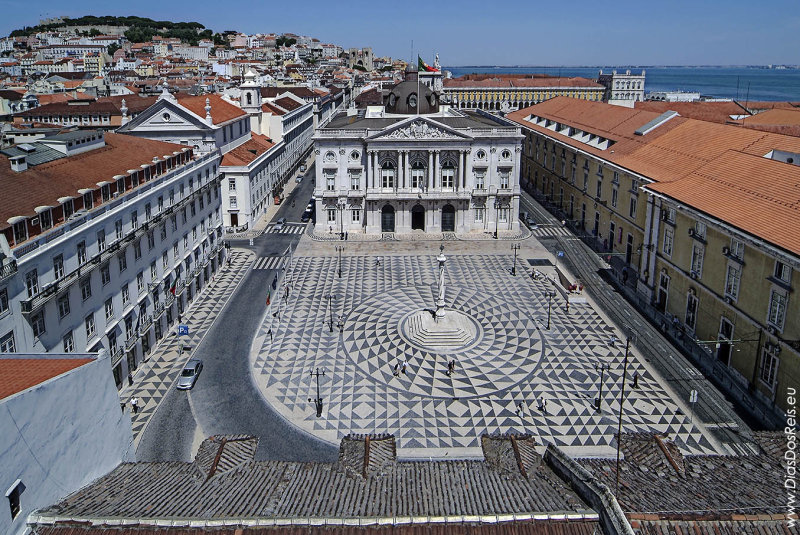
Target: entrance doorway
448, 218
418, 218
724, 338
234, 220
629, 249
387, 218
611, 229
663, 293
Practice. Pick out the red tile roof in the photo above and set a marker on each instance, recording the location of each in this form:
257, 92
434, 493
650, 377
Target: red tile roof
20, 374
288, 104
221, 110
43, 184
715, 112
248, 151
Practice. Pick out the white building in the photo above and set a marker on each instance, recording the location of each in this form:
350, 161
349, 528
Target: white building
622, 88
106, 238
411, 166
62, 428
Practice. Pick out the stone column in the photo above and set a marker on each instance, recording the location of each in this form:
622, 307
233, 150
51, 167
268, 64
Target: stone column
376, 172
368, 172
429, 178
407, 171
437, 181
467, 167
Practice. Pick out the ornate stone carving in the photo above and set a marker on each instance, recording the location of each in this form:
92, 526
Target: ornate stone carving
420, 130
341, 152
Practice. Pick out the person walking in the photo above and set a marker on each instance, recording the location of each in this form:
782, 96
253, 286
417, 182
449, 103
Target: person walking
269, 332
396, 371
404, 366
135, 404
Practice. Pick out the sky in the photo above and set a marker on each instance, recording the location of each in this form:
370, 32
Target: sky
469, 32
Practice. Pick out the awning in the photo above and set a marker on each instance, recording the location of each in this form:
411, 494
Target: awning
40, 209
16, 219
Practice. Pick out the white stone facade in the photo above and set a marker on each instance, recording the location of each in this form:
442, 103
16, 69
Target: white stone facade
418, 174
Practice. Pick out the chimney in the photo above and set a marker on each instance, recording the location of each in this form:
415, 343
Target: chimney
124, 110
18, 163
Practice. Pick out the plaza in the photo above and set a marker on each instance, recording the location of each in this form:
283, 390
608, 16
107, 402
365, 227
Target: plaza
512, 373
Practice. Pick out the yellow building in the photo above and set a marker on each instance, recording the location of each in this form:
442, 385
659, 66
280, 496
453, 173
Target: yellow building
704, 218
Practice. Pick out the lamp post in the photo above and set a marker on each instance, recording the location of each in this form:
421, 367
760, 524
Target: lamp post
318, 399
496, 218
515, 248
330, 297
550, 295
598, 402
342, 206
339, 249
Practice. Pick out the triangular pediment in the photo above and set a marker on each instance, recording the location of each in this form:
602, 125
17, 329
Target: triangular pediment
164, 115
418, 129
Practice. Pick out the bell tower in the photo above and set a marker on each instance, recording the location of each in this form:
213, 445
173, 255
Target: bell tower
250, 100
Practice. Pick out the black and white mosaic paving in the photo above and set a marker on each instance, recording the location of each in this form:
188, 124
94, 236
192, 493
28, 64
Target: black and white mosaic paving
502, 374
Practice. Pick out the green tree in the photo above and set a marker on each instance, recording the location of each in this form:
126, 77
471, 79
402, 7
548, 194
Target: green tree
113, 47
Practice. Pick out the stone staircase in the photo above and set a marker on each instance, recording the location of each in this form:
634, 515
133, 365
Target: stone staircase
422, 329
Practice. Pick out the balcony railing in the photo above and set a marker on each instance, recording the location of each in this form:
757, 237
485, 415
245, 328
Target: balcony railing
8, 269
130, 342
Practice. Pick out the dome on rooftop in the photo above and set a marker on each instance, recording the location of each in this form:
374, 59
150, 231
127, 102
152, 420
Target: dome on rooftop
410, 97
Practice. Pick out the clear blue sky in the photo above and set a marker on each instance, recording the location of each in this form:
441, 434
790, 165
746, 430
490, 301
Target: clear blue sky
579, 32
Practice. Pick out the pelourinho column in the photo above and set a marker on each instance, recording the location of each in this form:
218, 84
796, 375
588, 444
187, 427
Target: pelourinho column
440, 300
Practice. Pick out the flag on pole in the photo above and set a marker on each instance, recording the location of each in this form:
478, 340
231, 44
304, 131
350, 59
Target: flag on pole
269, 292
173, 286
422, 66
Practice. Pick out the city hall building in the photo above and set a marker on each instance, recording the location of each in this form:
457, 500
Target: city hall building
413, 166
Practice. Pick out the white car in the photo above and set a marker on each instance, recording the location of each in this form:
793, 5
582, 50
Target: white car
190, 374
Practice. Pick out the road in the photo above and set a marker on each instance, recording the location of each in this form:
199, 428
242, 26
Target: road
225, 398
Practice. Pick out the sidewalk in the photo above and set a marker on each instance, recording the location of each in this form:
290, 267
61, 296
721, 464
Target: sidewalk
155, 377
420, 236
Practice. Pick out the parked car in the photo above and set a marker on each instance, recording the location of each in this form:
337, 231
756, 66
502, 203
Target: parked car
302, 169
299, 178
189, 374
530, 222
280, 223
306, 216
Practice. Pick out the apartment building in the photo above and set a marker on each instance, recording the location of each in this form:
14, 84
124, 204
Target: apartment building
105, 239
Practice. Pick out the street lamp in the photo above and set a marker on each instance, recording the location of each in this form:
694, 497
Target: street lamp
515, 248
342, 206
330, 297
598, 401
496, 217
339, 249
550, 295
318, 399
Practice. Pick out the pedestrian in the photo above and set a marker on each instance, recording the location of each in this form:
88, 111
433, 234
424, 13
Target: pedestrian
543, 405
135, 404
345, 235
520, 408
636, 379
624, 276
396, 372
612, 341
404, 366
130, 379
269, 332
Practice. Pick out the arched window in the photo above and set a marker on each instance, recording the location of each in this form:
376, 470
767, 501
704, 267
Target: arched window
249, 99
387, 175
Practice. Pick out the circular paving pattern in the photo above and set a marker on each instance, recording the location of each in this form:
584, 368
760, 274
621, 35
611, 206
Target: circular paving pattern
501, 354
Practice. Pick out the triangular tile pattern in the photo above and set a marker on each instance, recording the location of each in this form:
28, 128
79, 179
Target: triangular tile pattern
498, 382
155, 376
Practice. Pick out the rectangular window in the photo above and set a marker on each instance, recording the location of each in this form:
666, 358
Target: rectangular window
669, 236
769, 367
126, 295
479, 215
163, 232
81, 252
88, 200
63, 305
68, 342
737, 249
118, 229
151, 240
448, 176
46, 219
783, 272
632, 210
134, 220
160, 203
232, 184
58, 266
234, 202
192, 208
599, 192
355, 180
122, 259
37, 324
7, 343
3, 300
153, 271
480, 177
105, 274
387, 177
777, 309
700, 230
356, 215
137, 250
32, 283
89, 324
147, 212
614, 195
502, 215
140, 282
175, 249
69, 208
86, 287
732, 281
20, 231
165, 260
101, 240
503, 174
331, 215
697, 261
691, 311
109, 308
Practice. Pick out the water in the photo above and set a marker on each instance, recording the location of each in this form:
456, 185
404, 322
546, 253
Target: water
753, 83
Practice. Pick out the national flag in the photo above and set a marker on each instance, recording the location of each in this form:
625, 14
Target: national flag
268, 296
422, 66
173, 287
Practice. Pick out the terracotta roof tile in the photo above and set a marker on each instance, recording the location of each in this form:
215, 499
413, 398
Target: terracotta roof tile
288, 104
248, 151
43, 184
715, 112
221, 110
20, 374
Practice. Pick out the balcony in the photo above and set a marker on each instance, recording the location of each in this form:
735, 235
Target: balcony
480, 192
116, 355
145, 323
8, 269
29, 306
158, 310
131, 342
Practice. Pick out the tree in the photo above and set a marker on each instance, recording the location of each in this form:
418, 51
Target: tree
113, 47
93, 32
